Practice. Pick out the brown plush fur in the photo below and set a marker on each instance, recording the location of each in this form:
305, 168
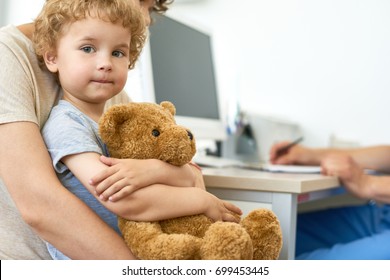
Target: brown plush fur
147, 130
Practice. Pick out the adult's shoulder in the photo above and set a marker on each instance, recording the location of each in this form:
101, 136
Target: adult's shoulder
17, 49
12, 38
23, 81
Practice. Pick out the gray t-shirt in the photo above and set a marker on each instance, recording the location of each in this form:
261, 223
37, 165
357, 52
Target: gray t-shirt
68, 131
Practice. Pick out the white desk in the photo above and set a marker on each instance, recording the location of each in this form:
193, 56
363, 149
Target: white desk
280, 192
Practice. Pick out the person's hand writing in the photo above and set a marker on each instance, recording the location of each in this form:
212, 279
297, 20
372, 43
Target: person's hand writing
350, 174
295, 155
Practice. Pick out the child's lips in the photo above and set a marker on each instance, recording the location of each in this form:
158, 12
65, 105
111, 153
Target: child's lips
102, 81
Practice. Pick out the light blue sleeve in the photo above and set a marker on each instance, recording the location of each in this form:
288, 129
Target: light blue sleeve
68, 132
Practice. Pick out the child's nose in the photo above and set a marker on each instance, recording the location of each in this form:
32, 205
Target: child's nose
105, 63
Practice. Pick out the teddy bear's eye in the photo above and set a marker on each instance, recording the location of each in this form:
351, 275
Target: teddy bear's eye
155, 133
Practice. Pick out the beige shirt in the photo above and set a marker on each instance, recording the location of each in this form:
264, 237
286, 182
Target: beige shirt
27, 93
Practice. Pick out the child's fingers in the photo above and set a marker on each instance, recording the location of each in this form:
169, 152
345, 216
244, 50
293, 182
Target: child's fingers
108, 160
232, 208
228, 217
103, 175
117, 190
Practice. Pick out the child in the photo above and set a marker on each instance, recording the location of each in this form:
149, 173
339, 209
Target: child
90, 45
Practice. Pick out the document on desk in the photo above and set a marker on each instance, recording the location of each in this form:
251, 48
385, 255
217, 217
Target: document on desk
217, 162
284, 168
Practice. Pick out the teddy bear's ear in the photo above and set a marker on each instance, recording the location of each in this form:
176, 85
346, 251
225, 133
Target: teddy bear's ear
111, 121
169, 106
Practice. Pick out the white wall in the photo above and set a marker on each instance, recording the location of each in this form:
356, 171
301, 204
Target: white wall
20, 11
322, 63
3, 12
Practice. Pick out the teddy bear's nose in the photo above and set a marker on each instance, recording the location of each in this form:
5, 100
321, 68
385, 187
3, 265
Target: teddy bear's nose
190, 135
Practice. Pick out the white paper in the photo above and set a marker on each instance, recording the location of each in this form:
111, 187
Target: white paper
291, 168
217, 162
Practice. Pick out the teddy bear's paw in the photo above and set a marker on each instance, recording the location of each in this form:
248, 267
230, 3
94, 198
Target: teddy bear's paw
226, 241
264, 229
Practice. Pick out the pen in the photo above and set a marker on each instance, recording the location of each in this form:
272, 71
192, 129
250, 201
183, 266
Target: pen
285, 149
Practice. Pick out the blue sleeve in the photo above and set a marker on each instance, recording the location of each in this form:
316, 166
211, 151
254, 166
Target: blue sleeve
68, 133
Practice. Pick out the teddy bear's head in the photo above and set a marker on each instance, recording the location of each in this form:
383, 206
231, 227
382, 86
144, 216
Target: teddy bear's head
145, 131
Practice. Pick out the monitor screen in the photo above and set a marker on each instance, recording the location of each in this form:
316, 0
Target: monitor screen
183, 73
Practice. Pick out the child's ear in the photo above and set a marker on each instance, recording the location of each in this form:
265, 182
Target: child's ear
51, 61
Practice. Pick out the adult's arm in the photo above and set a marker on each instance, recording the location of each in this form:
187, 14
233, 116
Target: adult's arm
373, 157
54, 213
355, 179
370, 157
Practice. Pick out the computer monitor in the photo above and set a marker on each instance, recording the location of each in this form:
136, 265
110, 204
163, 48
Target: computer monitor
183, 73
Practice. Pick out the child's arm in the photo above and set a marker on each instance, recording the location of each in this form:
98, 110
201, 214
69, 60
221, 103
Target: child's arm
124, 176
155, 202
159, 202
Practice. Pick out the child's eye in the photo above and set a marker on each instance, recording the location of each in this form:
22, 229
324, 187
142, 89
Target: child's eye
87, 49
118, 54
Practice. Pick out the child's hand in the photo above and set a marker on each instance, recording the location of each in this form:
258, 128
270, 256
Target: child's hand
219, 210
122, 177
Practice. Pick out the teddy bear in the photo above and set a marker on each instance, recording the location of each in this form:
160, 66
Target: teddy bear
147, 130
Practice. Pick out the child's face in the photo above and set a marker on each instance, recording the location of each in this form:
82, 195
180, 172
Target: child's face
92, 60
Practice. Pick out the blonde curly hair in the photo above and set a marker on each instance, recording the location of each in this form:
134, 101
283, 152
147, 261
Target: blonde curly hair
57, 14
